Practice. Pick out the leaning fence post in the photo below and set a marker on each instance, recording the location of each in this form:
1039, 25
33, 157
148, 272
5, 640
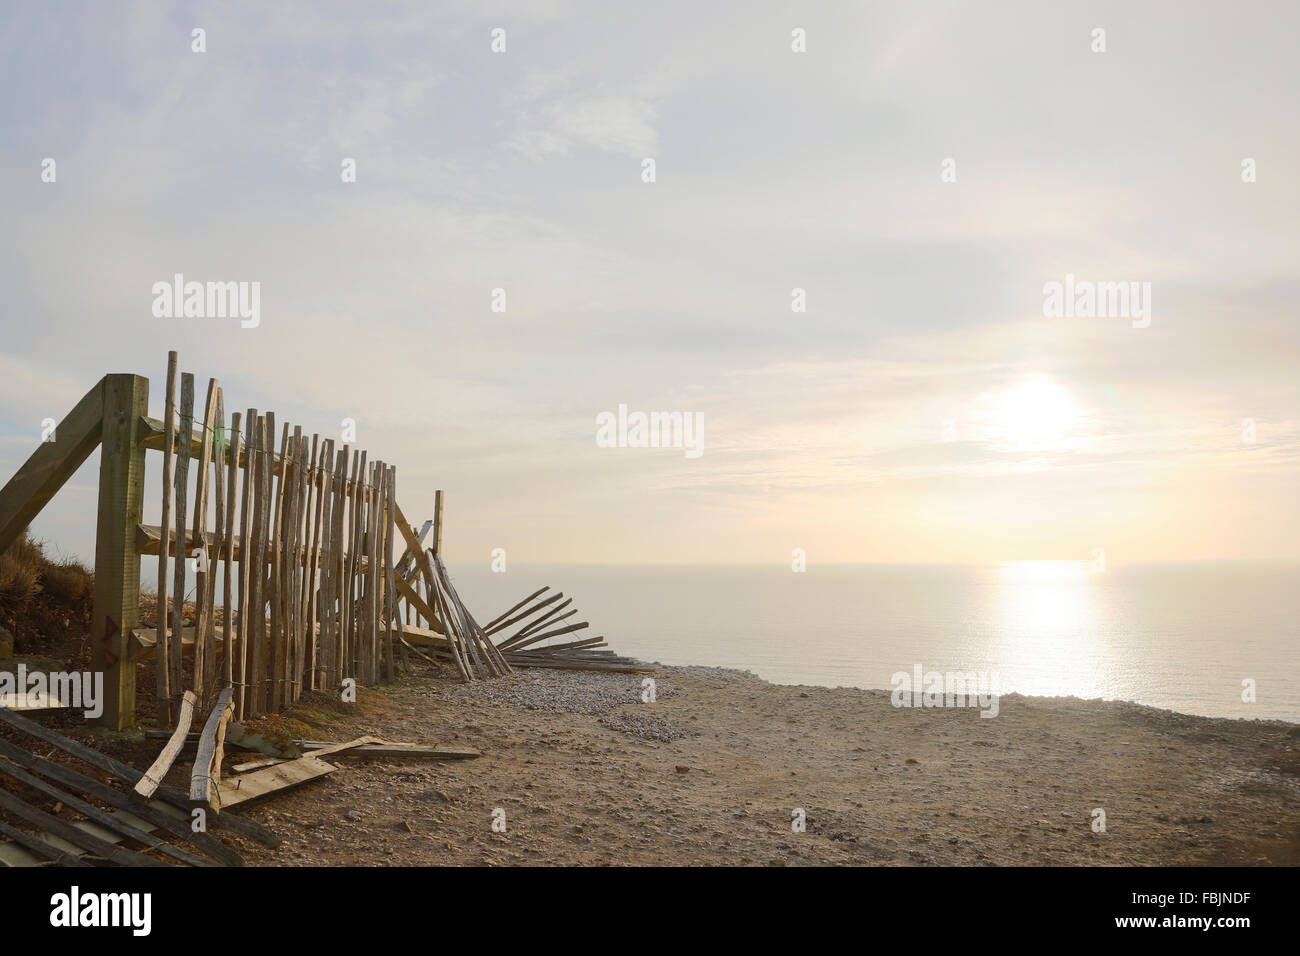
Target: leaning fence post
117, 558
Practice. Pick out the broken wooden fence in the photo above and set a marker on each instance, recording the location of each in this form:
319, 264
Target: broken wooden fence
290, 544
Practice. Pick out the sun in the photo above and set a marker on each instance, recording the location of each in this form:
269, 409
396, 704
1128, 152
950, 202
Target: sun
1036, 412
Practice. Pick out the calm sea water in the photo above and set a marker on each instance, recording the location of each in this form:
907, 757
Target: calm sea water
1181, 636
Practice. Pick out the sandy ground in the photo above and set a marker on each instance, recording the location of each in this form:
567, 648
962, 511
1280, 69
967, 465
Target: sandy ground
878, 785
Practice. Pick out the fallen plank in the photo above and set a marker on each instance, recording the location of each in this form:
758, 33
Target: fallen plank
28, 850
206, 775
349, 745
398, 751
175, 796
257, 763
113, 824
158, 769
271, 780
147, 815
73, 835
27, 701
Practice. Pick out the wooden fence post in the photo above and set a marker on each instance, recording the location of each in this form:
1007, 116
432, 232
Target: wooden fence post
437, 523
117, 560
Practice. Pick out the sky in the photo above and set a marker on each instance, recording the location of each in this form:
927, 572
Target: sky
920, 171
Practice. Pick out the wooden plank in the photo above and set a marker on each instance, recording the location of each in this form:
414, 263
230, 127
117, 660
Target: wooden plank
384, 750
142, 813
319, 530
166, 708
117, 563
180, 550
555, 633
437, 522
206, 775
301, 548
488, 627
316, 493
114, 824
525, 614
173, 795
77, 837
33, 702
275, 644
206, 563
33, 850
549, 619
422, 560
245, 518
390, 595
228, 589
51, 465
144, 642
417, 602
271, 780
158, 769
348, 745
254, 613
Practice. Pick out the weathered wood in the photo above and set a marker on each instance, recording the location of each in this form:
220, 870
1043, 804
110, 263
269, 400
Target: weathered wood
34, 850
206, 562
206, 775
426, 568
437, 522
51, 465
110, 765
270, 780
254, 615
113, 822
384, 750
228, 590
390, 594
166, 709
489, 626
180, 550
275, 644
73, 835
245, 518
144, 812
158, 769
525, 614
117, 563
315, 576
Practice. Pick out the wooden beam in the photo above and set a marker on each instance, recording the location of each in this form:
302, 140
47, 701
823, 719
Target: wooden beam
51, 465
125, 772
269, 780
117, 562
143, 813
158, 769
206, 776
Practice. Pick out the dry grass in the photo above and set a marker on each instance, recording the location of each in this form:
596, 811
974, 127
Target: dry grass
43, 602
20, 574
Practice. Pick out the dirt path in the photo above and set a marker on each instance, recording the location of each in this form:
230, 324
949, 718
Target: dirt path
878, 785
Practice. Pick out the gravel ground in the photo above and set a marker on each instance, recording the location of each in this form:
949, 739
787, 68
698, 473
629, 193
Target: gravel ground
563, 692
579, 769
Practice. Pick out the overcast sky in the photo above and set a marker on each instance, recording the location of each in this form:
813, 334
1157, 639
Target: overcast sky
775, 170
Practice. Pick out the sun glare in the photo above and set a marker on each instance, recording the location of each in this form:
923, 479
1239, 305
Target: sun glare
1036, 412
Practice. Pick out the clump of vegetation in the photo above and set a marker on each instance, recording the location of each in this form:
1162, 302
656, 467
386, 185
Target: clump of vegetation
20, 574
43, 600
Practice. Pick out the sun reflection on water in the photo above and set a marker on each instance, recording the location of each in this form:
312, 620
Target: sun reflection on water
1051, 641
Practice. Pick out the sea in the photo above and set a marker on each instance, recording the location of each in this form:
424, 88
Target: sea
1218, 639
